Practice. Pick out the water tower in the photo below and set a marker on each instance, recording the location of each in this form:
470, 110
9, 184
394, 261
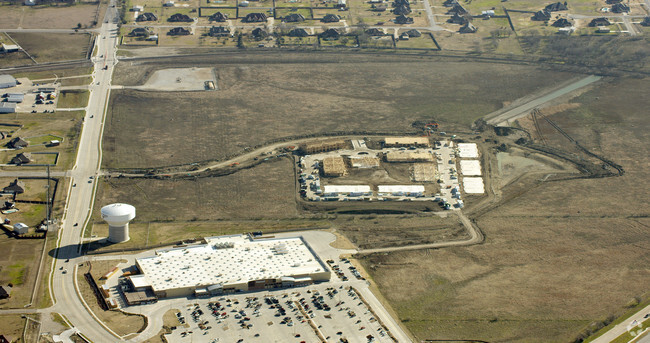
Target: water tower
118, 217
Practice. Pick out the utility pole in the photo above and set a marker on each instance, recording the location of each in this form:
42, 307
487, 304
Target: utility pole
47, 211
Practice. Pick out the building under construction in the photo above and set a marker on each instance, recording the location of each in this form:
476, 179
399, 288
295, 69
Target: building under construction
408, 156
364, 162
334, 166
322, 146
421, 142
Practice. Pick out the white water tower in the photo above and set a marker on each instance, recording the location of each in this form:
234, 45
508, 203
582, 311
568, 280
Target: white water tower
118, 217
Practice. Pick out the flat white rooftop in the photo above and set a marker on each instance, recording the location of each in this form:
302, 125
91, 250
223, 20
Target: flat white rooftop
400, 188
473, 185
467, 150
346, 189
228, 260
470, 167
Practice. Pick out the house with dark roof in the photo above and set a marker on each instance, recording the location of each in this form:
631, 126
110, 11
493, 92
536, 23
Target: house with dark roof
140, 32
294, 18
558, 6
298, 32
180, 18
611, 2
17, 143
562, 22
331, 18
147, 16
15, 187
397, 3
403, 20
259, 33
374, 32
330, 34
457, 19
450, 3
621, 8
219, 31
379, 8
646, 21
458, 9
179, 31
22, 158
413, 33
255, 18
219, 17
602, 21
402, 10
468, 28
3, 293
542, 15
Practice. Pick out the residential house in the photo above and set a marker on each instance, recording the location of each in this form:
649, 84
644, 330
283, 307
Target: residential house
558, 6
219, 31
330, 34
403, 20
562, 22
646, 21
542, 15
457, 19
140, 32
468, 28
259, 33
402, 10
298, 33
15, 187
3, 293
179, 31
379, 8
219, 17
294, 18
413, 33
457, 9
621, 8
17, 143
180, 18
22, 158
450, 3
331, 18
147, 16
602, 21
255, 18
375, 32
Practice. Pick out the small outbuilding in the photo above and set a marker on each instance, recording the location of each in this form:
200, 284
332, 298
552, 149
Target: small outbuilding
20, 228
5, 48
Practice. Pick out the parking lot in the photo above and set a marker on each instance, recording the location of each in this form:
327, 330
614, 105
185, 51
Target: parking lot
331, 311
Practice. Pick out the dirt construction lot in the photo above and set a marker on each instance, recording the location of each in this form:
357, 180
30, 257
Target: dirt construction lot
258, 101
43, 17
557, 257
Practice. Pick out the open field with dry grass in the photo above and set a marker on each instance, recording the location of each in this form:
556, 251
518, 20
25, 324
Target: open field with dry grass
558, 256
19, 266
47, 17
48, 47
258, 102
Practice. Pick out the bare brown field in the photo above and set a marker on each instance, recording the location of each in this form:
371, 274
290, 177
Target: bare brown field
47, 47
12, 326
18, 265
47, 17
258, 102
558, 256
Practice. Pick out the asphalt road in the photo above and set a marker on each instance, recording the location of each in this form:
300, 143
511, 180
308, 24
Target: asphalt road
80, 198
503, 118
622, 328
